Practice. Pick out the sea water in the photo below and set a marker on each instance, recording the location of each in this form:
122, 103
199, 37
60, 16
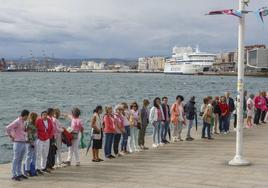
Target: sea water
38, 91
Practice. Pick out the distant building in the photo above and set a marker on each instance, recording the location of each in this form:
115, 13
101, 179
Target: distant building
151, 63
227, 61
258, 58
92, 65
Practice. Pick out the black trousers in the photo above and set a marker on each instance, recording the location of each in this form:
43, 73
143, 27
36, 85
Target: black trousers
263, 115
51, 154
117, 138
257, 116
235, 120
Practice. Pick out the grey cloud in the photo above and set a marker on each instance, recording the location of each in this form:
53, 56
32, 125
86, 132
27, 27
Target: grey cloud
122, 28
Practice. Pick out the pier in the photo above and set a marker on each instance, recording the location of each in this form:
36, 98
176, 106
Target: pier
200, 163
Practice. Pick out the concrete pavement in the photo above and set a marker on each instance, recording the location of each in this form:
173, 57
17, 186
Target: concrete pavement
200, 163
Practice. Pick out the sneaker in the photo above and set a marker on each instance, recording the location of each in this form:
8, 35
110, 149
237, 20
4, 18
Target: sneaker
154, 145
137, 150
16, 178
167, 142
67, 163
189, 139
28, 173
203, 137
95, 160
77, 164
145, 148
46, 170
39, 172
118, 155
161, 144
23, 177
210, 138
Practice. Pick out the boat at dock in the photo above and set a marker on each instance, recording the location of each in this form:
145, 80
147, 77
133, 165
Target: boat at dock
185, 60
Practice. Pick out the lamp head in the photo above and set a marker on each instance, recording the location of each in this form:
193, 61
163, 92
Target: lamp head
246, 2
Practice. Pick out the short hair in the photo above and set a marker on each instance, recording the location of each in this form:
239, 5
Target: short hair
50, 111
97, 109
76, 112
124, 104
180, 96
210, 97
146, 102
44, 112
24, 113
32, 117
205, 100
163, 98
251, 96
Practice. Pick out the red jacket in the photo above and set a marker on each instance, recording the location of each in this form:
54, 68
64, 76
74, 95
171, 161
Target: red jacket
43, 133
224, 109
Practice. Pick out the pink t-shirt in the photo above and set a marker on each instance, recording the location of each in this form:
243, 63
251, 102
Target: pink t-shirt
119, 122
17, 130
159, 114
109, 125
76, 125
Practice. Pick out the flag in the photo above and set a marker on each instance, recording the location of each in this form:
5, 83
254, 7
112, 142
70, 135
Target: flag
231, 12
260, 13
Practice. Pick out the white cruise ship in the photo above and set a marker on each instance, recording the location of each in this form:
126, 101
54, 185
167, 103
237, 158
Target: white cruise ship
185, 60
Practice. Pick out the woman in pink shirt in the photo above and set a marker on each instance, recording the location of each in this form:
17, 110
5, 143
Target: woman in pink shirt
58, 129
77, 129
109, 130
119, 127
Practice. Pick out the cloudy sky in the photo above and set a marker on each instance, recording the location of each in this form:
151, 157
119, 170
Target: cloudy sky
120, 28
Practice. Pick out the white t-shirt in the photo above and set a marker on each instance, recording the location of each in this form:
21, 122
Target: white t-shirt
46, 123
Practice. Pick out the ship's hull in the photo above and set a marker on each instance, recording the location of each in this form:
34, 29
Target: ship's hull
183, 69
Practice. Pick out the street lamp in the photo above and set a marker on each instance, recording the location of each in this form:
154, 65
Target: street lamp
239, 160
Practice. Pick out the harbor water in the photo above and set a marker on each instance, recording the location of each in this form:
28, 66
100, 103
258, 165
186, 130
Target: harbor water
38, 91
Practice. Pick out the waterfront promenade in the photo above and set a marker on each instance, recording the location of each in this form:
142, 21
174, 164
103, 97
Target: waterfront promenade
201, 163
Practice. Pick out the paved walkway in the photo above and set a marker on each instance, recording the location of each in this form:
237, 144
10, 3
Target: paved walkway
201, 163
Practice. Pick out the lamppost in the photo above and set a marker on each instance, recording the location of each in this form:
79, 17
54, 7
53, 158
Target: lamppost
239, 160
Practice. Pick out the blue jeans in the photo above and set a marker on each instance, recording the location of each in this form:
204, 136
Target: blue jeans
125, 138
164, 131
30, 156
223, 124
156, 133
109, 139
134, 134
228, 121
206, 127
18, 154
190, 125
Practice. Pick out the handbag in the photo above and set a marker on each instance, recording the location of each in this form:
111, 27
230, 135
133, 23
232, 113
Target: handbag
139, 125
131, 120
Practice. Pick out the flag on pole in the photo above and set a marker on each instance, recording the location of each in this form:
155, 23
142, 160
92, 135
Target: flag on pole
262, 12
231, 12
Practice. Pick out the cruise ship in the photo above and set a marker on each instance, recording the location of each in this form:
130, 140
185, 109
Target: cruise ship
185, 60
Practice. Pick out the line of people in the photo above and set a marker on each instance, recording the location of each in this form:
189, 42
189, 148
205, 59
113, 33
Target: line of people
121, 129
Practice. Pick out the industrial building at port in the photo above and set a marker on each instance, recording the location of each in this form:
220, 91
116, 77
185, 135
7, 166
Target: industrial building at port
256, 58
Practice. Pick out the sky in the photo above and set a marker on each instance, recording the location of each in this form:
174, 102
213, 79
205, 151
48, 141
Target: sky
120, 28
